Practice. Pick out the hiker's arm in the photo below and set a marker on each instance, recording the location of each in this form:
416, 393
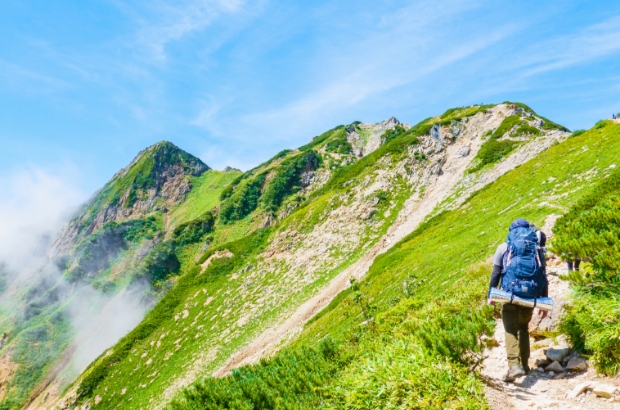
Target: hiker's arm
495, 276
545, 290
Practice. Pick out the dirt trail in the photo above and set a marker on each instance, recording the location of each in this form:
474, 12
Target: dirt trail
412, 214
539, 390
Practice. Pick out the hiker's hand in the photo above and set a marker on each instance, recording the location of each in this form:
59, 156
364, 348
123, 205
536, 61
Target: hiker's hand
491, 302
543, 314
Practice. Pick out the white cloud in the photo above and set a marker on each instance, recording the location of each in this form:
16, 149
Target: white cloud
33, 206
207, 118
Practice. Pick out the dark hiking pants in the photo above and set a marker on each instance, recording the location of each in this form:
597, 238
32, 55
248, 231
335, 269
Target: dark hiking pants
516, 320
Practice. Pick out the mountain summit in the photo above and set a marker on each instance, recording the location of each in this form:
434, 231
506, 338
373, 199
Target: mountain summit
155, 180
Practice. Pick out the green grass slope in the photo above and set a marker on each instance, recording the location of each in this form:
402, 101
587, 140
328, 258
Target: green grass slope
224, 282
407, 335
204, 196
203, 318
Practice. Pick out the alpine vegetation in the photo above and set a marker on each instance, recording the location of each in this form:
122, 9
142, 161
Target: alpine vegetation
351, 272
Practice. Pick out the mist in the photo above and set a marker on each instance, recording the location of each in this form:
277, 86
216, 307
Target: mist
34, 207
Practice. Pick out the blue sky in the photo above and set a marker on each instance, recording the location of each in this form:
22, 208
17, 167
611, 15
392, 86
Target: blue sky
85, 85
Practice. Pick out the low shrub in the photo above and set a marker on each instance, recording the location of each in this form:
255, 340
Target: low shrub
591, 231
243, 201
288, 381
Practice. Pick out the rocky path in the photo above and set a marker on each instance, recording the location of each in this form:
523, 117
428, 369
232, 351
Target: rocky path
573, 384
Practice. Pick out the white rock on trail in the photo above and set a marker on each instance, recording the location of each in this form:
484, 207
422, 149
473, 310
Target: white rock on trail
577, 390
604, 390
557, 355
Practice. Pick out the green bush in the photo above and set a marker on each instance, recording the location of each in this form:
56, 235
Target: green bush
493, 151
339, 144
160, 262
507, 124
243, 201
287, 179
228, 191
194, 231
600, 124
320, 139
591, 231
96, 251
288, 381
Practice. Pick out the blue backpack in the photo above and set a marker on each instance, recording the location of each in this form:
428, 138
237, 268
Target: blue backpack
524, 274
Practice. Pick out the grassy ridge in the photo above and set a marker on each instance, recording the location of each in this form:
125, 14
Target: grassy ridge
221, 327
403, 356
437, 254
203, 197
402, 279
434, 260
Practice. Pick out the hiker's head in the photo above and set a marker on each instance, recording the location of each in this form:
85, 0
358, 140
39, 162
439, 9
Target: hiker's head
519, 223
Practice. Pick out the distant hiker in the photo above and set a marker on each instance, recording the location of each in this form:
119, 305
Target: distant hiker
613, 116
519, 266
573, 265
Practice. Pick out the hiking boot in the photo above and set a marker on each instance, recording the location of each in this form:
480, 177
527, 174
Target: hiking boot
514, 373
526, 369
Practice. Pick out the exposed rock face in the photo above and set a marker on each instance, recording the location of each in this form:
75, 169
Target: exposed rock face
366, 138
436, 133
155, 180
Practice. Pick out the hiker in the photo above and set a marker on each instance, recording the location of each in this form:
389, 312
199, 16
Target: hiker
613, 116
522, 253
573, 265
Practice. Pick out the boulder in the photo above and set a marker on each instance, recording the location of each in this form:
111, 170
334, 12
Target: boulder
604, 390
464, 151
577, 390
577, 364
436, 132
555, 367
540, 359
556, 355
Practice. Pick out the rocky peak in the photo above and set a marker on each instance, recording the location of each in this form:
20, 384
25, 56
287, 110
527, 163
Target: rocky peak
155, 180
165, 155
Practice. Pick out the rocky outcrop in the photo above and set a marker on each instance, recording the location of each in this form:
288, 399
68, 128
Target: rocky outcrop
156, 180
366, 138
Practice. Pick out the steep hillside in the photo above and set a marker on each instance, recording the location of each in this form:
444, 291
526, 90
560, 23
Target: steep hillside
409, 334
113, 256
284, 239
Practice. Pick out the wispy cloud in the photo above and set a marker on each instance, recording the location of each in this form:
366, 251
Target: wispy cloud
171, 21
593, 42
26, 79
404, 48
